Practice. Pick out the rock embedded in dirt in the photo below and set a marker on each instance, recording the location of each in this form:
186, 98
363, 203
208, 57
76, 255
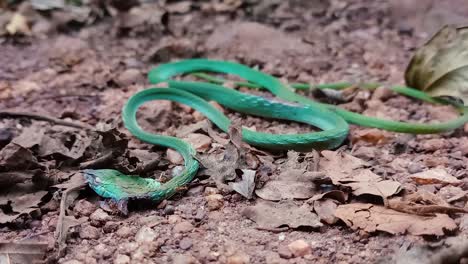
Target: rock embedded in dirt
128, 77
184, 259
285, 252
183, 227
89, 232
110, 227
99, 217
185, 243
145, 235
300, 248
124, 232
238, 258
214, 201
122, 259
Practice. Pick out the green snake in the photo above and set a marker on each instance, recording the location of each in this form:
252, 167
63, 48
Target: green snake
289, 105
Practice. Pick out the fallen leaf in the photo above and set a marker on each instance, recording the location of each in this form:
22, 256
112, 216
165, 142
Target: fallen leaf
15, 157
68, 144
271, 215
435, 176
440, 67
247, 185
373, 218
423, 203
325, 205
16, 204
30, 137
325, 209
452, 193
371, 135
346, 170
15, 253
279, 190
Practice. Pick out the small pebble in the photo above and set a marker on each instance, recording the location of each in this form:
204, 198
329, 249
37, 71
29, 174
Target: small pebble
110, 227
239, 258
300, 248
84, 208
183, 227
99, 217
214, 201
183, 259
185, 243
169, 210
284, 252
124, 232
210, 190
72, 261
90, 232
122, 259
128, 77
145, 235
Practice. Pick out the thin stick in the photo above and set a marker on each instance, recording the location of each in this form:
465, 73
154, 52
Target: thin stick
11, 114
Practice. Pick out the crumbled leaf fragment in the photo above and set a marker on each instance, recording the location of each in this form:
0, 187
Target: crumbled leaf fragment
373, 218
272, 215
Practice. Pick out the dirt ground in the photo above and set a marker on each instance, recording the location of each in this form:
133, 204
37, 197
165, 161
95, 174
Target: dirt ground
82, 68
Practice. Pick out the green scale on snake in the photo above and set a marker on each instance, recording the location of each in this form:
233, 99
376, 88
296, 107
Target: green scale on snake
331, 119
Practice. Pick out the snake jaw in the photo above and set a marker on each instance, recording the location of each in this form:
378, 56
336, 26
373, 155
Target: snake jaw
118, 186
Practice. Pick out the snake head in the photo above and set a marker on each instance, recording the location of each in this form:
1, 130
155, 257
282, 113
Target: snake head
118, 186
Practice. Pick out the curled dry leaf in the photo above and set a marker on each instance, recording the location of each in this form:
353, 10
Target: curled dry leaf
423, 203
371, 135
373, 218
247, 185
435, 176
272, 215
325, 205
346, 170
440, 67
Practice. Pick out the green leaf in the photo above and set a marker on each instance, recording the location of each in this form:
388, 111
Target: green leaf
440, 67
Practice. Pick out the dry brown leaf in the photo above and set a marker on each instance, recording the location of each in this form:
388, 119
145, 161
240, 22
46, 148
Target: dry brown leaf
435, 176
19, 204
423, 203
452, 193
246, 186
371, 135
440, 67
272, 215
325, 209
373, 218
279, 190
15, 157
346, 170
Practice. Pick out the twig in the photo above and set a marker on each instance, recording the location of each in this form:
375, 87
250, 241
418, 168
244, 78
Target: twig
11, 114
59, 235
273, 230
95, 163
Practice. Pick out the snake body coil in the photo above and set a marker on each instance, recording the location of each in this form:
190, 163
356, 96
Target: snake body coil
332, 120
